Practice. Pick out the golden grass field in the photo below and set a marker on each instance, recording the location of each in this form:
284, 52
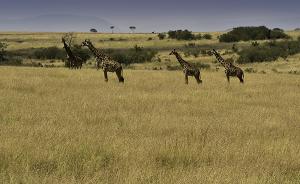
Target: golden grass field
69, 126
23, 40
66, 126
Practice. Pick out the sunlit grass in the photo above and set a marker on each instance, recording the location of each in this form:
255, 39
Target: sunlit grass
24, 40
36, 40
63, 126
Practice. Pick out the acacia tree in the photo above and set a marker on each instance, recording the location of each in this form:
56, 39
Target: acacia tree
112, 29
69, 37
132, 28
93, 30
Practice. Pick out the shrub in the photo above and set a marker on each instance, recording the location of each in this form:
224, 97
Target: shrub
278, 34
84, 54
134, 55
256, 54
278, 29
181, 35
207, 36
161, 36
198, 36
252, 33
269, 51
3, 46
13, 61
191, 49
49, 53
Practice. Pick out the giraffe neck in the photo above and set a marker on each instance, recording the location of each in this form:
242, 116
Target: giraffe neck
96, 52
68, 50
180, 60
220, 59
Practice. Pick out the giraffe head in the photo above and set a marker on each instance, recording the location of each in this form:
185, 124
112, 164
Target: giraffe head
173, 52
86, 42
63, 40
214, 51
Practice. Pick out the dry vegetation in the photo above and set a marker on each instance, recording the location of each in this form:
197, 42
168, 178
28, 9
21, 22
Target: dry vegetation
37, 40
62, 126
66, 126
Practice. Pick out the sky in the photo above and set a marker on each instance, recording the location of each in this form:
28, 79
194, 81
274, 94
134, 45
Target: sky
160, 15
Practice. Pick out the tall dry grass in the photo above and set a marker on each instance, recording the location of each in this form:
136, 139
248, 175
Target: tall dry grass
63, 126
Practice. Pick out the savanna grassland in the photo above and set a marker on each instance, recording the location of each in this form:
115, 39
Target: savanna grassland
69, 126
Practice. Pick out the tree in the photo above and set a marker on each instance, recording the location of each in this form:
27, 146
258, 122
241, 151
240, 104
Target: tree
3, 46
112, 29
207, 36
181, 35
198, 36
132, 28
161, 36
69, 37
93, 30
278, 29
252, 33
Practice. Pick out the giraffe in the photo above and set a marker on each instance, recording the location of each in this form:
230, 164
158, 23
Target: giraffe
188, 69
107, 63
74, 61
230, 69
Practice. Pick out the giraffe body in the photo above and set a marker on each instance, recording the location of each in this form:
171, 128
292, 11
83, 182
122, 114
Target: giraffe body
230, 69
75, 62
188, 69
105, 62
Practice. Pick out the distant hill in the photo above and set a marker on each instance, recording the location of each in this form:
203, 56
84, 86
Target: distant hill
57, 23
297, 29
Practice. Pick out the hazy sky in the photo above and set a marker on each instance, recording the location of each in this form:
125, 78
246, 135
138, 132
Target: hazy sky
163, 15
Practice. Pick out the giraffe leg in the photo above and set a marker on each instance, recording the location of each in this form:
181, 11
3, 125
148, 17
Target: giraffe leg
241, 77
105, 75
119, 75
73, 65
70, 64
197, 77
186, 79
228, 79
97, 65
